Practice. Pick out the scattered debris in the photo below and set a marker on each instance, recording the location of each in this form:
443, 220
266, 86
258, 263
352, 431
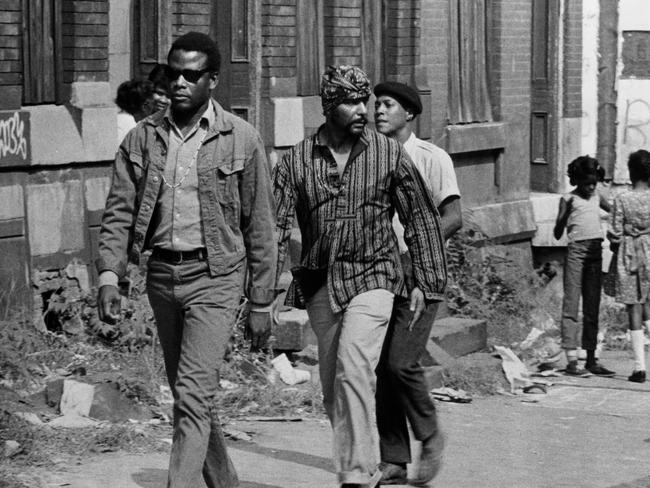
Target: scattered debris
227, 385
237, 435
11, 448
54, 391
516, 372
110, 403
536, 388
77, 398
29, 417
446, 394
289, 374
546, 373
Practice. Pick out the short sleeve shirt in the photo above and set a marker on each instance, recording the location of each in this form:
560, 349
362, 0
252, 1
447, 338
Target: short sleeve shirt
435, 166
437, 171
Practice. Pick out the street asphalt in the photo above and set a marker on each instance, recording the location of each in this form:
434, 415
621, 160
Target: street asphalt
584, 432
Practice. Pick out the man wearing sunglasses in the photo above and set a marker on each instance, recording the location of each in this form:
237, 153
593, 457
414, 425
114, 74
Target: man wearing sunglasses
191, 183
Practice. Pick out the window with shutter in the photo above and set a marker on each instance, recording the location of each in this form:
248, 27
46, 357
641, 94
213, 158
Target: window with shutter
310, 55
43, 62
469, 99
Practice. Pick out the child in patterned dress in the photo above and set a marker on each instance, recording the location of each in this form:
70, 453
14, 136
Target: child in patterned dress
630, 233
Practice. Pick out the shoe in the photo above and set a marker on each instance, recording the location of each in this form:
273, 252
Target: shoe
599, 370
392, 474
574, 370
637, 377
430, 459
374, 481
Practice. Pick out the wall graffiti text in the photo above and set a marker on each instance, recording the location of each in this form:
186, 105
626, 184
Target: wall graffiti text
14, 133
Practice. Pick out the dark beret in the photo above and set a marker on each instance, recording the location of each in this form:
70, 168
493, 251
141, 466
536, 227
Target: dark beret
404, 94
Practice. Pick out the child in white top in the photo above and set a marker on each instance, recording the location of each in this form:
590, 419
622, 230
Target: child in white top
579, 212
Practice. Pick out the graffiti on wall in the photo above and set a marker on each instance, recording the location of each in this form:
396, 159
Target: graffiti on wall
634, 131
14, 131
636, 122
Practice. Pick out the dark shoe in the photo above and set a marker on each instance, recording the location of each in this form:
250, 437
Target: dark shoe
599, 370
430, 459
574, 370
374, 481
637, 377
392, 474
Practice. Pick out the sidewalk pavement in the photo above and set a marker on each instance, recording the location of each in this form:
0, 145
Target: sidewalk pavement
584, 433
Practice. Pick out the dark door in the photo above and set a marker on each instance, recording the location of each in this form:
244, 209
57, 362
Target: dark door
543, 123
151, 35
229, 26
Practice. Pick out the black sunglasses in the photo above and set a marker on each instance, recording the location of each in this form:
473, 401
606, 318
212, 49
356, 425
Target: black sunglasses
191, 75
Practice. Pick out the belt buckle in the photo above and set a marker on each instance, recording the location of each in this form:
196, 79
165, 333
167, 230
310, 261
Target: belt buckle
178, 261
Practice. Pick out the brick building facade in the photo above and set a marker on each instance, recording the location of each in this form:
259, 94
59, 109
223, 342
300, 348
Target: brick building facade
489, 73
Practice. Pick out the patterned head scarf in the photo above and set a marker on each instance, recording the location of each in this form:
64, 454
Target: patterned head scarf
341, 83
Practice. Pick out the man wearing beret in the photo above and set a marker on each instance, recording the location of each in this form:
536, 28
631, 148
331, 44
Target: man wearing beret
344, 183
402, 391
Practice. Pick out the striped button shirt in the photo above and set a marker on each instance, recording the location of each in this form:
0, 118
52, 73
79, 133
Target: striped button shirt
345, 221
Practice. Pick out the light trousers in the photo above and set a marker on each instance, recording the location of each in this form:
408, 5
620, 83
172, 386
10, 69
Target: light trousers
349, 347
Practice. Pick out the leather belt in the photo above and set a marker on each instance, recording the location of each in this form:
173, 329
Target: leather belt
177, 257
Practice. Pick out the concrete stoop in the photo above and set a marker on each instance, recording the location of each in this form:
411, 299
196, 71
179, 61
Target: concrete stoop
451, 337
459, 336
294, 332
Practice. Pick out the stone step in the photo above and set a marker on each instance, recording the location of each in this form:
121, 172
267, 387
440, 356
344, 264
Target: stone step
459, 336
294, 332
451, 337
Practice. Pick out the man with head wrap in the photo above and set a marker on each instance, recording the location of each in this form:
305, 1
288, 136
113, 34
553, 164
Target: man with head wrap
344, 183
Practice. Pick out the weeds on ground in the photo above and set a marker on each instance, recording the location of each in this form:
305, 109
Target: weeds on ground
479, 374
257, 389
488, 283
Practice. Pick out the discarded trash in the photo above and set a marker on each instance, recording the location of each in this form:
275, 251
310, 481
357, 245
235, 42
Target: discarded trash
446, 394
535, 389
547, 373
29, 417
289, 374
227, 385
238, 435
530, 339
516, 372
165, 396
77, 398
11, 448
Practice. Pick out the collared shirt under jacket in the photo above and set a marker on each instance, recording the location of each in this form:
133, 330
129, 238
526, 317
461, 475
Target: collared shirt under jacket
235, 200
345, 220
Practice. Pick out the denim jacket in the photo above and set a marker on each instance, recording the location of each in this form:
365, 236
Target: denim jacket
235, 198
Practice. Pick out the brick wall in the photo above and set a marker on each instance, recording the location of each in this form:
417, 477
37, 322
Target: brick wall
10, 56
188, 17
342, 25
495, 56
572, 72
434, 55
278, 41
511, 75
85, 40
402, 39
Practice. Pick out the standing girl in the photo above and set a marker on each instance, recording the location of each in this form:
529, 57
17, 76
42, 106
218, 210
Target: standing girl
580, 213
630, 232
